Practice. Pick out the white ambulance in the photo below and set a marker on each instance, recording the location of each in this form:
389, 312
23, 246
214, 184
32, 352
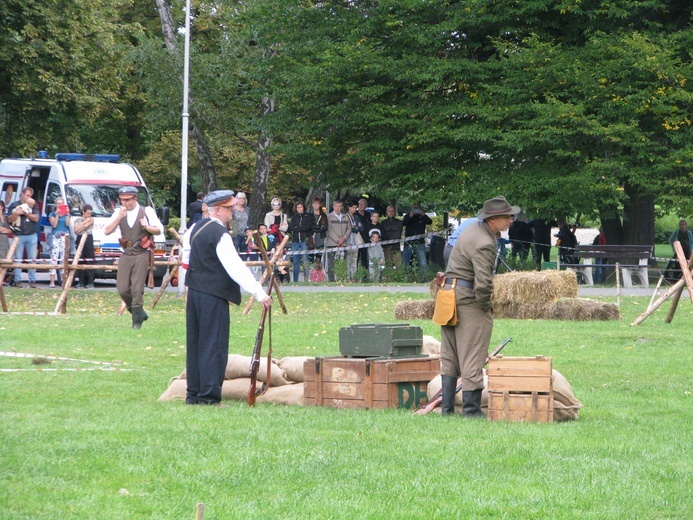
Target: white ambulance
79, 179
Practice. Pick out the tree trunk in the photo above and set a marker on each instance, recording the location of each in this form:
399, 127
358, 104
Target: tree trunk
204, 154
204, 157
261, 176
639, 218
611, 224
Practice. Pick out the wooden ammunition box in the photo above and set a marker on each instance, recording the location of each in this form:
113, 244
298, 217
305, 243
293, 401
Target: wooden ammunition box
520, 389
380, 340
341, 382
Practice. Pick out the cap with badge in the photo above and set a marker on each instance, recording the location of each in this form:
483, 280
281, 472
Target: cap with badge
127, 191
220, 198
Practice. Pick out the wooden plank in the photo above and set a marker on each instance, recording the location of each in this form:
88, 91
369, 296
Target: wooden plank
519, 366
520, 384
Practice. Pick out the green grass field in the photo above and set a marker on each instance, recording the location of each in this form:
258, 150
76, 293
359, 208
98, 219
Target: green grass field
92, 444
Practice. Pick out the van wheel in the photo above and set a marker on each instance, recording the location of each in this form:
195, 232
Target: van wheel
158, 280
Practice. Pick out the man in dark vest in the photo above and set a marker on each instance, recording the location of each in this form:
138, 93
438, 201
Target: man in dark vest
135, 223
215, 277
464, 347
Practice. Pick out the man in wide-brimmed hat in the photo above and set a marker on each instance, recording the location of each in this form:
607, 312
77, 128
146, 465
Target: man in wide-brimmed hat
464, 347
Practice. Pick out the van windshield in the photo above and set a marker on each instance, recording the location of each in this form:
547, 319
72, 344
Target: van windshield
103, 198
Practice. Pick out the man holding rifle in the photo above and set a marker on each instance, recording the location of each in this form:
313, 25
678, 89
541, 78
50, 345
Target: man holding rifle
215, 277
464, 347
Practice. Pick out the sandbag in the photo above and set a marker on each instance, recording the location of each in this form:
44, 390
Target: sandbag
176, 390
239, 366
236, 389
293, 367
431, 346
290, 395
565, 404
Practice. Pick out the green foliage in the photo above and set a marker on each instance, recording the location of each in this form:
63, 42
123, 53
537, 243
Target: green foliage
97, 443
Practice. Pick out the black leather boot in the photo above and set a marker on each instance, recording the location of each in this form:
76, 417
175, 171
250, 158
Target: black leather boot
447, 404
138, 317
471, 404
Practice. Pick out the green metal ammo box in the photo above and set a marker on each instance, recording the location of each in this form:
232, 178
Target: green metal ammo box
380, 340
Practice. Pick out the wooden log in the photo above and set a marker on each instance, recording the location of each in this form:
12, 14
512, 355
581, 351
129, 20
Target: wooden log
676, 298
67, 283
167, 278
654, 294
686, 271
3, 270
175, 234
277, 253
650, 310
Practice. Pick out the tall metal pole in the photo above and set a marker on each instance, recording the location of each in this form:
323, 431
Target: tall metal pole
184, 158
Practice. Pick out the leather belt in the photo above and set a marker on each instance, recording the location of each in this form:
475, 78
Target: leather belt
460, 282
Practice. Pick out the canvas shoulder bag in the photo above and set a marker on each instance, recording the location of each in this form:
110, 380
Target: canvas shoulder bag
445, 311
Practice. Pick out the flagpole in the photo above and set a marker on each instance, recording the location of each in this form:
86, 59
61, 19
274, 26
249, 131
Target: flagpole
184, 153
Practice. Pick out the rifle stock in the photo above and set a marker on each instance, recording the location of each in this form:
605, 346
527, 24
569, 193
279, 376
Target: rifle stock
257, 349
438, 398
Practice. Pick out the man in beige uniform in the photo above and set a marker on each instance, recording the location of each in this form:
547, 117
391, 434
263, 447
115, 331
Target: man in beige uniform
465, 347
135, 222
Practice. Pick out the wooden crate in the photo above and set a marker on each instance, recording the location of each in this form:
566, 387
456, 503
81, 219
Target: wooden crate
341, 382
514, 407
520, 389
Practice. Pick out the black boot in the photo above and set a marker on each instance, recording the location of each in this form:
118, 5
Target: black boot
138, 317
447, 404
471, 404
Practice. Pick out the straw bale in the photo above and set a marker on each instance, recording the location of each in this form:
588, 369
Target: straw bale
535, 287
584, 309
414, 310
433, 288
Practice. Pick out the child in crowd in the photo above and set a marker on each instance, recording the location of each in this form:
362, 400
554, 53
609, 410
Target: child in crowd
27, 208
317, 274
376, 255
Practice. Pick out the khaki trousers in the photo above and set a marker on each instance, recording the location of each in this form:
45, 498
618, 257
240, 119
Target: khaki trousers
131, 277
464, 348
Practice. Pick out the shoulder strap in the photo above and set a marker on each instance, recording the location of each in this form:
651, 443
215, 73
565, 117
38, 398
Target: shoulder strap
197, 230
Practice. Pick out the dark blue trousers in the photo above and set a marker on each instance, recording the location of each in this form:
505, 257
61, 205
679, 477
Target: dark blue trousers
207, 341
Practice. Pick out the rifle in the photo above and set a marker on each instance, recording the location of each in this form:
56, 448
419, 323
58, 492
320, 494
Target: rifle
255, 360
438, 398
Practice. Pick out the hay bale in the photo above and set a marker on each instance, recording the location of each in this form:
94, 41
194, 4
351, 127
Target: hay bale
583, 309
534, 287
523, 311
414, 310
433, 288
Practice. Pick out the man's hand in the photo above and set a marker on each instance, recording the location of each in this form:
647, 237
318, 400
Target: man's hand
266, 303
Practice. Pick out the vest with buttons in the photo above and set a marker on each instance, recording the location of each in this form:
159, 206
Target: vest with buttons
206, 273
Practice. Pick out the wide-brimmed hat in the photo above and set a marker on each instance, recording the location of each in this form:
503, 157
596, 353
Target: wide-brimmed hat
220, 198
497, 206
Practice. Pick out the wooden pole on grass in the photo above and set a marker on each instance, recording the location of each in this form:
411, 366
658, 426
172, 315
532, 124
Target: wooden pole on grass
686, 272
656, 291
199, 511
618, 284
168, 277
67, 282
3, 270
678, 286
277, 253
